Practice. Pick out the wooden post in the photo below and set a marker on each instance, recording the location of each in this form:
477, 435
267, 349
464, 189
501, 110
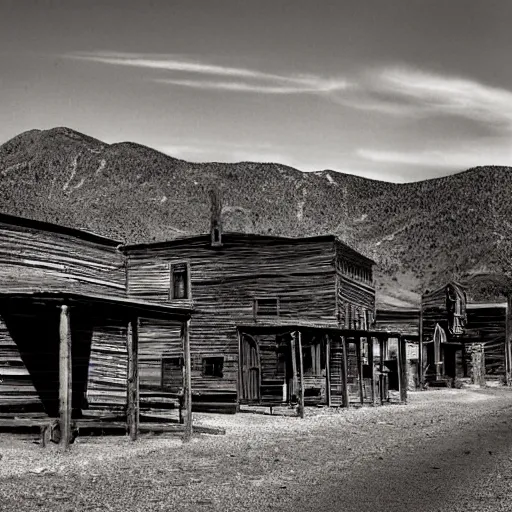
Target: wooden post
295, 383
372, 368
132, 345
344, 373
328, 369
359, 358
187, 385
301, 369
508, 345
381, 370
420, 348
402, 351
65, 377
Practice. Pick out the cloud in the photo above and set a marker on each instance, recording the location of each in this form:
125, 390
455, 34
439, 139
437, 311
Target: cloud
402, 91
247, 80
454, 157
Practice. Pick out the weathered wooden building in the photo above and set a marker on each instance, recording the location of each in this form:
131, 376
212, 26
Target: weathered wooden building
68, 328
461, 339
265, 308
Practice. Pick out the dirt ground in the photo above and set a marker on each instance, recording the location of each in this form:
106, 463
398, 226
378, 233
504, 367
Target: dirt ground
446, 450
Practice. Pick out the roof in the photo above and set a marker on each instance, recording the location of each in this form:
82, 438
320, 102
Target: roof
56, 228
329, 328
234, 237
134, 305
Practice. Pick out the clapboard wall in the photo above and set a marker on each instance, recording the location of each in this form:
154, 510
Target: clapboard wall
307, 276
41, 256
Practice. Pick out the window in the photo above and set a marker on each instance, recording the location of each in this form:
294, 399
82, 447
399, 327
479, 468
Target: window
213, 367
266, 307
172, 374
180, 282
312, 359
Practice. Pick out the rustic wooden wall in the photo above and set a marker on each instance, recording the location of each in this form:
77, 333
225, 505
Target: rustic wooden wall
35, 259
224, 282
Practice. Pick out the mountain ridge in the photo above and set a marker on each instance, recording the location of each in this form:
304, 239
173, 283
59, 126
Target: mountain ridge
420, 233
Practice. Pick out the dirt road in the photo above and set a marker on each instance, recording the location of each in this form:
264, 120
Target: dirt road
446, 451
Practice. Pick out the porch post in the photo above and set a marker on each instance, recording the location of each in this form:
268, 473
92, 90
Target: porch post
381, 370
344, 373
359, 357
420, 347
301, 368
508, 348
402, 351
372, 369
187, 385
327, 339
65, 377
295, 383
132, 345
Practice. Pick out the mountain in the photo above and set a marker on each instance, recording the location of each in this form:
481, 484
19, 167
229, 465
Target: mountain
421, 234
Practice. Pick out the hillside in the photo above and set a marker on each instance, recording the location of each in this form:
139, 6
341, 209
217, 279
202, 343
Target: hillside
421, 234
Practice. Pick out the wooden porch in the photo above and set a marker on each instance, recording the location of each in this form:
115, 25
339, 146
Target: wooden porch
54, 332
319, 366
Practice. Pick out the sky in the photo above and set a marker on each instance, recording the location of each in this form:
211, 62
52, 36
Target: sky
395, 90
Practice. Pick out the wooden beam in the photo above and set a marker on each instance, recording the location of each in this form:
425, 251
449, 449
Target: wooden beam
359, 358
239, 382
301, 369
372, 368
420, 348
381, 370
402, 351
132, 346
187, 385
293, 355
65, 377
344, 373
328, 369
508, 343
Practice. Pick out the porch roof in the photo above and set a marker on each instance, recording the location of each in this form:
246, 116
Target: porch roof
312, 326
127, 304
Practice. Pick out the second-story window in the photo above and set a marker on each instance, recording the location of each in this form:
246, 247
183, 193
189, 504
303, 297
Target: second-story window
180, 281
266, 306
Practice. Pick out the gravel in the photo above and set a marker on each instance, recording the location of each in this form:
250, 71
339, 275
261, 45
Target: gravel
445, 450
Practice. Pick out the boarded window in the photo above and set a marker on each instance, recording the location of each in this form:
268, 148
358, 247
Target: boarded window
213, 367
180, 281
266, 307
172, 374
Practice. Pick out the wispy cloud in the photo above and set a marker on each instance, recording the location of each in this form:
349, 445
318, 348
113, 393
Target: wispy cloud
403, 91
236, 79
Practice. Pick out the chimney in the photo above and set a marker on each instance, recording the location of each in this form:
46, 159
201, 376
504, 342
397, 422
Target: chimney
216, 218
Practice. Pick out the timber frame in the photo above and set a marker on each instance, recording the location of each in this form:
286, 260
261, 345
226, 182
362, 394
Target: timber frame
335, 371
81, 308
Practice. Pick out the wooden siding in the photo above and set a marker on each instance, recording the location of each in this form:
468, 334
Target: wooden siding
403, 321
32, 259
355, 291
224, 283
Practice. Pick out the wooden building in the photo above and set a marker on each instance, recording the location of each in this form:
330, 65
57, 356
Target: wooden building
254, 297
462, 339
70, 338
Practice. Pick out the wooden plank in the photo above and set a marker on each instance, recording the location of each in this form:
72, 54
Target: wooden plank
420, 350
371, 342
301, 369
508, 344
381, 370
293, 355
187, 385
403, 380
359, 358
65, 377
327, 339
133, 379
344, 373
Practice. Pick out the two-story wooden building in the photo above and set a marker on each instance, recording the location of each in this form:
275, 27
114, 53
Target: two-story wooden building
266, 307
